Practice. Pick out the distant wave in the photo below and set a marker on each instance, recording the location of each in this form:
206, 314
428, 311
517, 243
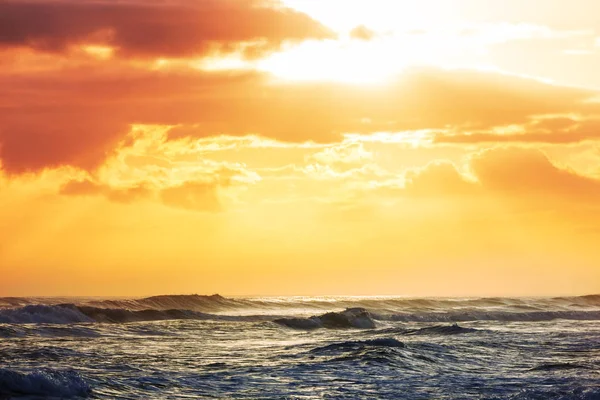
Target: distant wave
43, 314
506, 316
70, 314
43, 383
396, 304
350, 318
359, 318
193, 302
382, 305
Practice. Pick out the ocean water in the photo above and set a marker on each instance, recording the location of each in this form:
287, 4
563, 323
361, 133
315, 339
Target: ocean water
178, 347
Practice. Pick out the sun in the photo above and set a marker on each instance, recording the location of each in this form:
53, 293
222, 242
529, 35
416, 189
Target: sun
375, 41
395, 41
338, 61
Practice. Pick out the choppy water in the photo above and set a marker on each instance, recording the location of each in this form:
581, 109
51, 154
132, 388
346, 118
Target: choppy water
171, 347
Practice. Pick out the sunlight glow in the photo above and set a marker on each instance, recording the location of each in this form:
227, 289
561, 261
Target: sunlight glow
383, 15
348, 62
99, 52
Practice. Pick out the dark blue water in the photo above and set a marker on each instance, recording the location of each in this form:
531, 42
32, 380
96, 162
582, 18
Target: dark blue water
172, 347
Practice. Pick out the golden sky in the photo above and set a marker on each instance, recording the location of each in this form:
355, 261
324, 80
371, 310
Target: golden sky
250, 147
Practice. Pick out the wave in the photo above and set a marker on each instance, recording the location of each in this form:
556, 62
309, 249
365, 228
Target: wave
73, 314
504, 316
358, 318
358, 344
350, 318
8, 332
45, 353
558, 367
42, 314
382, 305
413, 305
551, 393
384, 351
592, 300
442, 330
43, 382
193, 302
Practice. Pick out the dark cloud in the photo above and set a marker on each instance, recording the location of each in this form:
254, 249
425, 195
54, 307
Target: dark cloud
153, 28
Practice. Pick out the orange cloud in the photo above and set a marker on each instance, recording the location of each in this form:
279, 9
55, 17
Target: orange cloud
76, 117
194, 196
153, 28
145, 166
559, 130
438, 178
90, 188
361, 32
520, 176
527, 172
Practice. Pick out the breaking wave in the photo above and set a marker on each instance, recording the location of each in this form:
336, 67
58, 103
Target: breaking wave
42, 314
461, 308
43, 382
359, 318
350, 318
72, 314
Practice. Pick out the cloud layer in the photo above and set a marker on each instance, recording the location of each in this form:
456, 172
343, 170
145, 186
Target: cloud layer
153, 28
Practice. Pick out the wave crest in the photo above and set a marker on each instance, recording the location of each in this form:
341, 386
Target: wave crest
193, 302
351, 318
42, 314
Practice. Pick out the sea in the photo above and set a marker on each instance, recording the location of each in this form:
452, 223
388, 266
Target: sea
215, 347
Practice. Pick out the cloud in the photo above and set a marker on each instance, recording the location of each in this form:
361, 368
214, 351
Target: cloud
523, 172
559, 130
147, 167
361, 32
512, 175
90, 188
197, 196
343, 157
437, 178
151, 28
194, 196
77, 116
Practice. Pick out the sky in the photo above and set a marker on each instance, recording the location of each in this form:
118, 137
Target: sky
299, 147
